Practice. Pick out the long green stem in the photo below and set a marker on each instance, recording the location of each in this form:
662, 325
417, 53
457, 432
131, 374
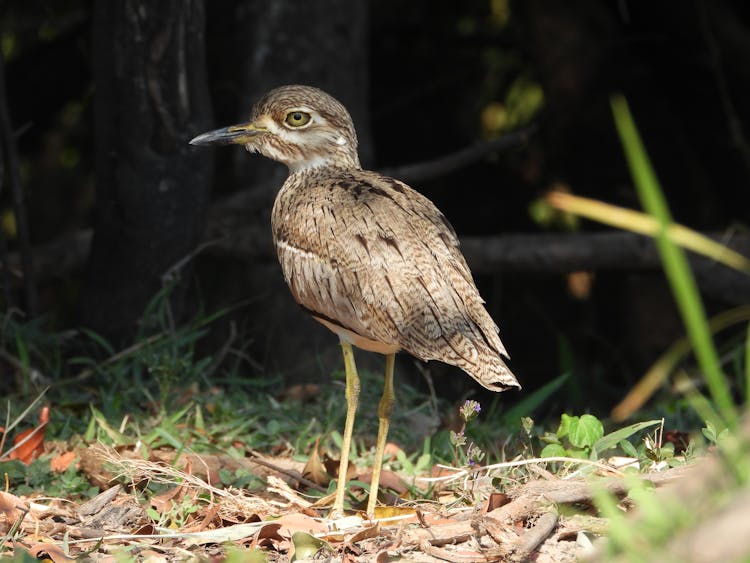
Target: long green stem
673, 258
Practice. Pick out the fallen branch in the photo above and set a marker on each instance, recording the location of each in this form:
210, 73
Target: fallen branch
533, 253
529, 500
429, 169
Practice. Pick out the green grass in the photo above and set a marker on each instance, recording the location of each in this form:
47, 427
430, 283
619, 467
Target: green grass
674, 261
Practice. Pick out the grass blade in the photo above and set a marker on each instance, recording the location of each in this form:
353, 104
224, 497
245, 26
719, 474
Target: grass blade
674, 260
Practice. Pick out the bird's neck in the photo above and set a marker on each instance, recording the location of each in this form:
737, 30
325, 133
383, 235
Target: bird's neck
322, 163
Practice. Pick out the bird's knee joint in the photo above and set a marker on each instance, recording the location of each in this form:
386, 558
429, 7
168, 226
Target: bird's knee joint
385, 408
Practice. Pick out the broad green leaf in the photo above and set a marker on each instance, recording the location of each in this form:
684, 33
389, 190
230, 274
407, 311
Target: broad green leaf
307, 546
553, 450
237, 555
586, 432
566, 423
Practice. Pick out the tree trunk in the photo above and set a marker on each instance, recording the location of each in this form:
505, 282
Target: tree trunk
152, 187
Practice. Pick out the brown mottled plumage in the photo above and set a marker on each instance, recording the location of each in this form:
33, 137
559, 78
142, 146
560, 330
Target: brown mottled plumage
366, 255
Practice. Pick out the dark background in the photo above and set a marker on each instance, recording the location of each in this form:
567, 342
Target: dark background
103, 97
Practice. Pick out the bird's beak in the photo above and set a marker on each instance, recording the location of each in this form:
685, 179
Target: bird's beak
240, 134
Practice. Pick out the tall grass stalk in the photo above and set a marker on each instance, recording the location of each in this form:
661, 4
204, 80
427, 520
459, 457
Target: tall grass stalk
674, 260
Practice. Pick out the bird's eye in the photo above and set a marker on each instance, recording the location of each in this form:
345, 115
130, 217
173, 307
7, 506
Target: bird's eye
297, 118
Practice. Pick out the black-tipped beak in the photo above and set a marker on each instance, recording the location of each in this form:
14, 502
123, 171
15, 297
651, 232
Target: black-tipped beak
233, 135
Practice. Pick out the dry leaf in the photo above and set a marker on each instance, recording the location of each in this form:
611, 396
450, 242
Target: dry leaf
332, 467
390, 480
62, 462
31, 442
366, 534
314, 469
495, 500
298, 522
268, 536
395, 511
301, 392
325, 501
579, 284
391, 451
163, 502
49, 551
11, 506
151, 556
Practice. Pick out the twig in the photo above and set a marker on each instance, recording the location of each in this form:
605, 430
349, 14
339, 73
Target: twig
536, 535
19, 209
257, 458
422, 171
85, 374
428, 546
174, 270
460, 473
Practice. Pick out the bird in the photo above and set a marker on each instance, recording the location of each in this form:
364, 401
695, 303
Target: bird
366, 255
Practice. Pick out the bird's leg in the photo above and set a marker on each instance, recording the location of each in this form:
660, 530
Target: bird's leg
352, 399
385, 409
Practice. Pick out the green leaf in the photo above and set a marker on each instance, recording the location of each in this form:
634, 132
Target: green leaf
553, 450
550, 438
99, 340
118, 438
566, 422
407, 465
237, 555
307, 546
614, 438
424, 462
628, 449
585, 431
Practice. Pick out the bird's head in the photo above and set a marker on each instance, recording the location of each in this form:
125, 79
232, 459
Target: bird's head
301, 126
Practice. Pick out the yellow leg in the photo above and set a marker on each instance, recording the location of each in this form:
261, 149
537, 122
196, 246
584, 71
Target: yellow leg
352, 399
385, 409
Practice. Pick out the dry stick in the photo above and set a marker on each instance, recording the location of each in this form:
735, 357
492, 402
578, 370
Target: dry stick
85, 374
19, 209
536, 535
257, 458
445, 164
428, 546
460, 472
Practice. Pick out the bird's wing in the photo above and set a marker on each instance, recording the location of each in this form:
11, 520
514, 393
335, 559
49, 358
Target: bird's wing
372, 255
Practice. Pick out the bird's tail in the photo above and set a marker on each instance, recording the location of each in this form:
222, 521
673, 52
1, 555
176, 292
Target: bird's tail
492, 372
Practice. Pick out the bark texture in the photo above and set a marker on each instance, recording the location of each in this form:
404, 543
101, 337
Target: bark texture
152, 187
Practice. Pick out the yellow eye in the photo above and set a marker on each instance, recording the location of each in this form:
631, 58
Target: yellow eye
297, 118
